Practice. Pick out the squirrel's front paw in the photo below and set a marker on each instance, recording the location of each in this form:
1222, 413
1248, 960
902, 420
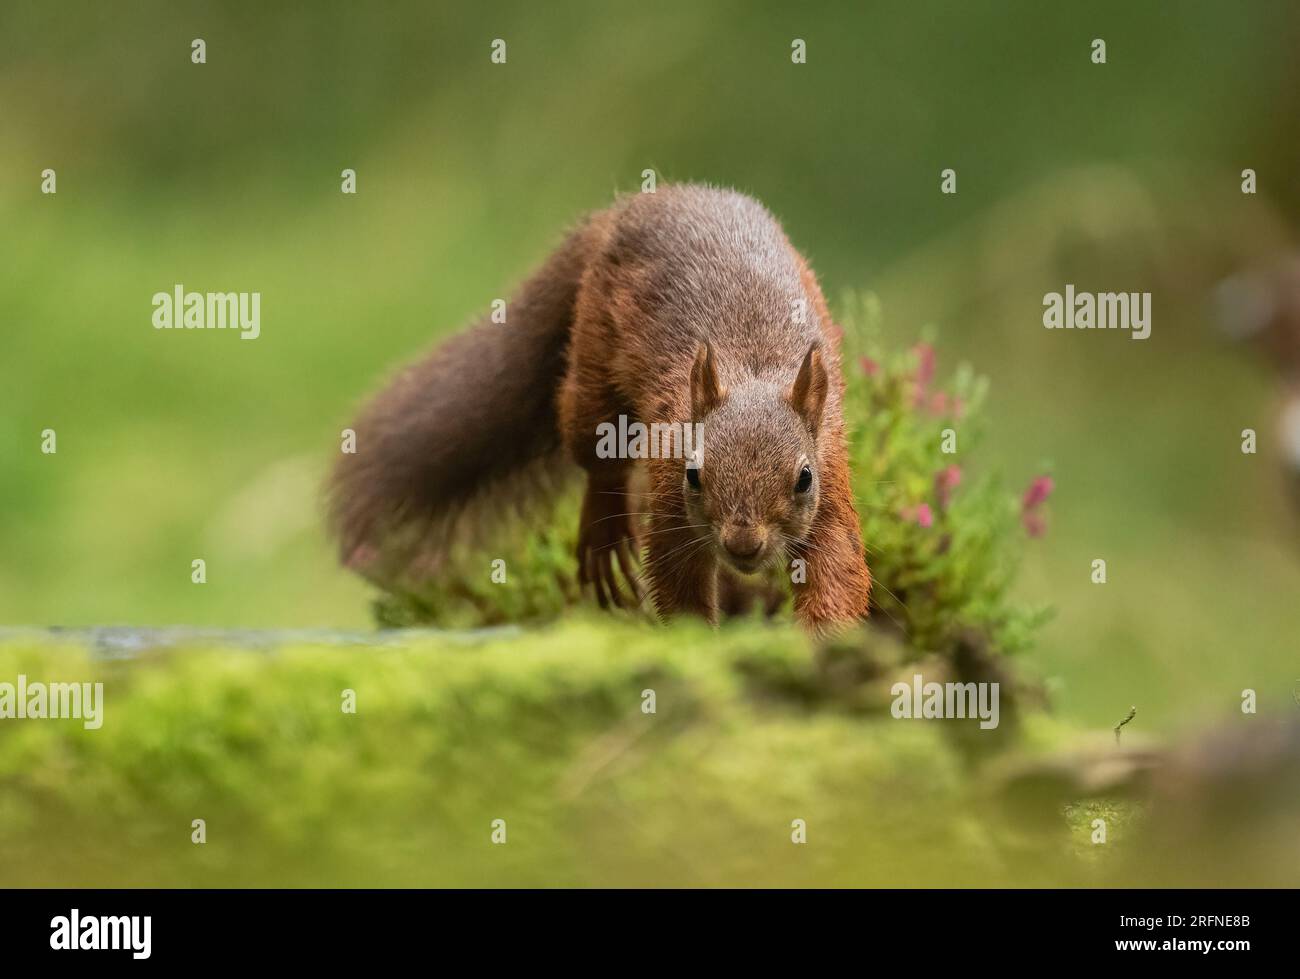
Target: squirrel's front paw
826, 607
607, 535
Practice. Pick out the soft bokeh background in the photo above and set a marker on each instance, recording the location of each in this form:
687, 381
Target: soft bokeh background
225, 176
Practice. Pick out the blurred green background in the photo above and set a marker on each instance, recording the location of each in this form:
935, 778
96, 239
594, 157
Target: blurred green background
225, 176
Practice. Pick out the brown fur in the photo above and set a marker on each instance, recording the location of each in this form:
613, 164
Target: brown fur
676, 307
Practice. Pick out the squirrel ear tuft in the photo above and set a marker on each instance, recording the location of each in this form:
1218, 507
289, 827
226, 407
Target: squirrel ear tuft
808, 396
707, 391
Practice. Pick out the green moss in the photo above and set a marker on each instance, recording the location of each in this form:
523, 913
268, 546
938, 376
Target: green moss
1120, 819
545, 731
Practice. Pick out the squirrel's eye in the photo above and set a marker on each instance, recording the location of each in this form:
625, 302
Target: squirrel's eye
693, 476
805, 480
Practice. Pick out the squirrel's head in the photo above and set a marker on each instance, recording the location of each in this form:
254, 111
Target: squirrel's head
756, 482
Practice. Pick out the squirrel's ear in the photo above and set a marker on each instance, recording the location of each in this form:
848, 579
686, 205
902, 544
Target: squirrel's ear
707, 391
808, 396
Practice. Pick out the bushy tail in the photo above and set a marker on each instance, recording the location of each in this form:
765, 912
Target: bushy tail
471, 425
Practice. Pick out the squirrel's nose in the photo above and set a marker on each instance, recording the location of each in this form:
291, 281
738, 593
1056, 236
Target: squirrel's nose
743, 542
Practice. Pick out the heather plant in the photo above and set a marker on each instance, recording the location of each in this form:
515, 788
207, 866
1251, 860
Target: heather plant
944, 535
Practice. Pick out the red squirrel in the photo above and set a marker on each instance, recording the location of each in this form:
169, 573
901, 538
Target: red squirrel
687, 306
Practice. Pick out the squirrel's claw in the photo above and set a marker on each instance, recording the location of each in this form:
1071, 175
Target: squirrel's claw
600, 572
596, 567
628, 552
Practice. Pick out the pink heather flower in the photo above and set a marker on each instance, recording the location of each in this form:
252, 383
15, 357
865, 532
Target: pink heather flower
1039, 490
925, 365
939, 403
924, 373
924, 516
869, 366
1031, 517
945, 481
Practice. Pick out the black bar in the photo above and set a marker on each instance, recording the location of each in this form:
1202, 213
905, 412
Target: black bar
332, 929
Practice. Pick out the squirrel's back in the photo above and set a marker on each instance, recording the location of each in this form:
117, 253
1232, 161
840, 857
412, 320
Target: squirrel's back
706, 263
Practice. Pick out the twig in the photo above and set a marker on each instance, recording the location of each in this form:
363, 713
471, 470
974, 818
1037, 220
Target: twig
1127, 717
